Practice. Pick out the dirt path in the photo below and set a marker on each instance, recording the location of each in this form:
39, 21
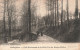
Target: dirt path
46, 38
41, 39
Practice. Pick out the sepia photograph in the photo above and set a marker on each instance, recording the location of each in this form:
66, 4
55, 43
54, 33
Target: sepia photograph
39, 21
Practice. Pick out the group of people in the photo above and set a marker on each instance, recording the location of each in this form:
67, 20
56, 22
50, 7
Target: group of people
39, 32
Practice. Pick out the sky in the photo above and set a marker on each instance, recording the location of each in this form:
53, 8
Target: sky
41, 6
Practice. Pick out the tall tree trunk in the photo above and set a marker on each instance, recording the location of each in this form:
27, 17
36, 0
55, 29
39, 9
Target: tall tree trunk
4, 23
55, 13
76, 9
48, 12
79, 14
62, 14
67, 14
9, 11
29, 14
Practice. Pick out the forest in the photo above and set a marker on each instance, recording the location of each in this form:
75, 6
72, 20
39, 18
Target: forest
33, 21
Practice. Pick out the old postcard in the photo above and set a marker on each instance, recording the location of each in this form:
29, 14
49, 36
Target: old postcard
40, 24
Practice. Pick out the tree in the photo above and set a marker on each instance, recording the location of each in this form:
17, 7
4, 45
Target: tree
26, 20
10, 11
67, 14
29, 14
61, 13
57, 13
79, 14
48, 12
76, 9
53, 12
5, 40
